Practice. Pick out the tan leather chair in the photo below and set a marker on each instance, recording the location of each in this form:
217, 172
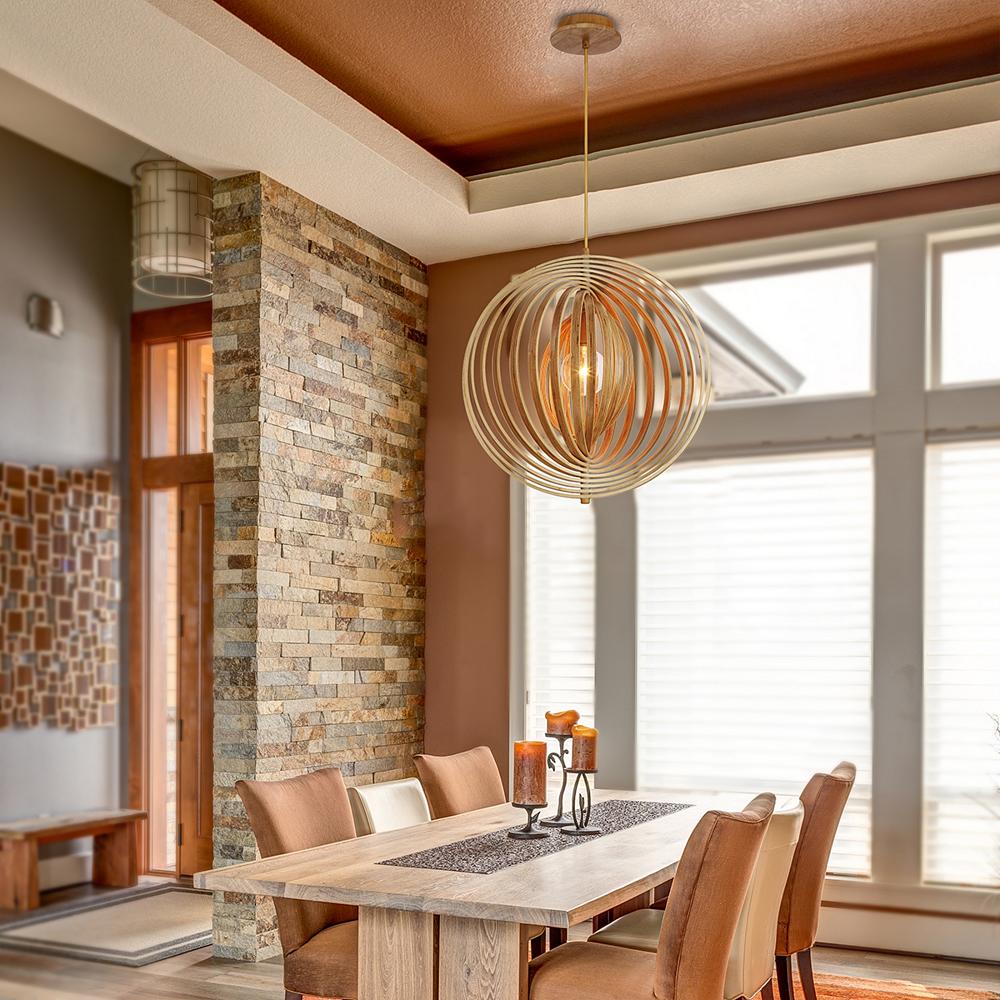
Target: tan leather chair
697, 933
319, 940
824, 799
388, 805
751, 961
460, 782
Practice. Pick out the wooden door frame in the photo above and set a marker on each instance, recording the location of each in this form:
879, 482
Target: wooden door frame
195, 705
173, 323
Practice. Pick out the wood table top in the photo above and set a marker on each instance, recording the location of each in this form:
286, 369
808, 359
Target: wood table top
557, 890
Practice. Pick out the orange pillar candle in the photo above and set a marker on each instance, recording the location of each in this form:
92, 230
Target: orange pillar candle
529, 773
584, 748
561, 723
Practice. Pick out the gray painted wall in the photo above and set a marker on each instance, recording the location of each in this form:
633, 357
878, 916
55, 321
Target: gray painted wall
64, 233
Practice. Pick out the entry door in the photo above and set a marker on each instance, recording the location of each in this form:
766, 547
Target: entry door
194, 694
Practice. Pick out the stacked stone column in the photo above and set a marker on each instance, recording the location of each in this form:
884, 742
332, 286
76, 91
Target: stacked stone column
320, 395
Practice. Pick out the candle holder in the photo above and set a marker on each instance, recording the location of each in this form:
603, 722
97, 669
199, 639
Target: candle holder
580, 826
529, 831
558, 759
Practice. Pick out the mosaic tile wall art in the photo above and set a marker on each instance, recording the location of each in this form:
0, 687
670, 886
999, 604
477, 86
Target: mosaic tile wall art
59, 595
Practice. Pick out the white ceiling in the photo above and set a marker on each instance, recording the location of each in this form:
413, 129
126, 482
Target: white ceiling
67, 130
186, 77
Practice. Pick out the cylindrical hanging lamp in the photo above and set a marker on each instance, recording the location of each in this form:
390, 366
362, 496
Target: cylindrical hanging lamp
586, 376
171, 230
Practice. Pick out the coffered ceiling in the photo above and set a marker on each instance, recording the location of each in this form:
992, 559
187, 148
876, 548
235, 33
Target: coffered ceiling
476, 83
101, 81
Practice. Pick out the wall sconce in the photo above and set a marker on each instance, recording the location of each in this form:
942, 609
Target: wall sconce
45, 315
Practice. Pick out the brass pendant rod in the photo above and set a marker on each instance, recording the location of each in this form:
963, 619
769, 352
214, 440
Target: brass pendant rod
586, 146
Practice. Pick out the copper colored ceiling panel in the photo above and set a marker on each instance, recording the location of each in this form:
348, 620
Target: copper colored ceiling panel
476, 83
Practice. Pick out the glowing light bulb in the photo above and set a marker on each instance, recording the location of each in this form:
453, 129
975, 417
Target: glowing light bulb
588, 373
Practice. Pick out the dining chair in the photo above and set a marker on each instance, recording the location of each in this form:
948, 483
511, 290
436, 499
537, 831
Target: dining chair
319, 941
460, 782
696, 937
388, 805
824, 798
751, 960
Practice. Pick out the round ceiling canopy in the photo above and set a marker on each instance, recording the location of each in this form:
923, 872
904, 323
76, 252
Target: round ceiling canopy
595, 32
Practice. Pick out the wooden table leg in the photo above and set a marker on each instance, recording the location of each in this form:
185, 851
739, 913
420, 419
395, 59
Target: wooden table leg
396, 956
480, 960
115, 862
19, 874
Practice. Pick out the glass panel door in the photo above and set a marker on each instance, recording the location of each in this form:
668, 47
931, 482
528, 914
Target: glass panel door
160, 564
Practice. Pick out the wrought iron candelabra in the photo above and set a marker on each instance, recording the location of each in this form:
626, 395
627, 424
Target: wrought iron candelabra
580, 824
559, 760
529, 831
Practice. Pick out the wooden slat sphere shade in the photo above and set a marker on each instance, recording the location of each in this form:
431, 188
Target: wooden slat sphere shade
586, 376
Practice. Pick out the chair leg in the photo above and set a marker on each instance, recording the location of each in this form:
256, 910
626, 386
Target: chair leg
785, 988
806, 973
767, 993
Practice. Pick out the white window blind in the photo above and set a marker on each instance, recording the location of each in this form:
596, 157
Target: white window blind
559, 573
755, 630
962, 665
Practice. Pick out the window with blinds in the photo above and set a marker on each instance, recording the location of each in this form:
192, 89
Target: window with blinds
559, 608
962, 665
755, 630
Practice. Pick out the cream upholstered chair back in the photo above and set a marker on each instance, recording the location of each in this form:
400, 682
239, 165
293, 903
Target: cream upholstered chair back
460, 782
388, 805
293, 814
751, 961
704, 903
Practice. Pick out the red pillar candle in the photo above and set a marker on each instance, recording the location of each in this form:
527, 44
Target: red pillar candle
529, 773
584, 748
561, 723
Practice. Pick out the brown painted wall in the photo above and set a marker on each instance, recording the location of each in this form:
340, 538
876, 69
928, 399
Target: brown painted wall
467, 497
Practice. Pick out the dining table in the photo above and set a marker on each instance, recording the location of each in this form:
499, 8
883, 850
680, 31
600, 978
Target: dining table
435, 933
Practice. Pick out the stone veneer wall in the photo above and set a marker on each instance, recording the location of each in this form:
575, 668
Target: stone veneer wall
320, 398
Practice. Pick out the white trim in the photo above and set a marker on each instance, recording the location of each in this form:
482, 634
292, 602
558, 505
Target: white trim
615, 636
939, 244
517, 642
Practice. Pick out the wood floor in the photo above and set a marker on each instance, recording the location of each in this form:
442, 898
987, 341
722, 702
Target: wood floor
198, 976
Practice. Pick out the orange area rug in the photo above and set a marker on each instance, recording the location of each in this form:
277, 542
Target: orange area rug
848, 988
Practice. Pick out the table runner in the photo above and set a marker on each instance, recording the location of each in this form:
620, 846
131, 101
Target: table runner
487, 853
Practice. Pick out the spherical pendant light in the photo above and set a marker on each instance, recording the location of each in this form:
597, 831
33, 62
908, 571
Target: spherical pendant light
586, 376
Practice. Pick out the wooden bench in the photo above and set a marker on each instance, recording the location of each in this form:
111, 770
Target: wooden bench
114, 832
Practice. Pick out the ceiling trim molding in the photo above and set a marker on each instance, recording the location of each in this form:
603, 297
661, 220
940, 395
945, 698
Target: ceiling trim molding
192, 80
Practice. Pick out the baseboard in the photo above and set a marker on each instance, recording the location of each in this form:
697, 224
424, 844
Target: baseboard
940, 934
65, 870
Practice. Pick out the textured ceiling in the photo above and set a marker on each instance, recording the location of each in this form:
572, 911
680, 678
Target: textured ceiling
476, 83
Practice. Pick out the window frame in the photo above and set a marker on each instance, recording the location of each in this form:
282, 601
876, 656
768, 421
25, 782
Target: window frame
836, 256
940, 244
904, 412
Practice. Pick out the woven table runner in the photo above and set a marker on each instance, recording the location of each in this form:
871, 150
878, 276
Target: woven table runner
491, 852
